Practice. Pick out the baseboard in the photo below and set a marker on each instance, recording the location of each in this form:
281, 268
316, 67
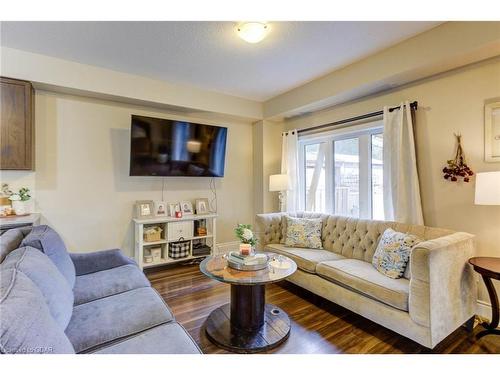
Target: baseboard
225, 247
483, 309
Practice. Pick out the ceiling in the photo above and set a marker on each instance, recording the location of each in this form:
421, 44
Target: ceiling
209, 55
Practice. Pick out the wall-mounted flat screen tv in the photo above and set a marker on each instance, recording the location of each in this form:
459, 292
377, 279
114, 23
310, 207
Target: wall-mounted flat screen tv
161, 147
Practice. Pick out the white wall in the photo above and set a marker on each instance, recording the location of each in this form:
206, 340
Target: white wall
449, 103
54, 74
266, 161
81, 180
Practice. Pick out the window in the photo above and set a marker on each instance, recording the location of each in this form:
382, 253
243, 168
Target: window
342, 171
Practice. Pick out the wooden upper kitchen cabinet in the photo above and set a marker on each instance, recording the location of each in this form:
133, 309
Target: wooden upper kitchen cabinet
16, 125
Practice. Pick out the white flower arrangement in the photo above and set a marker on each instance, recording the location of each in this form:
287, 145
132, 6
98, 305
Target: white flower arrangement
244, 234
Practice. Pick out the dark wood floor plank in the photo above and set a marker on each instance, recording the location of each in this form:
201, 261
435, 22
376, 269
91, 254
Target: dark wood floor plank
318, 326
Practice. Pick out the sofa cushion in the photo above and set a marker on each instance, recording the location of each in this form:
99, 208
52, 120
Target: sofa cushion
170, 338
26, 325
44, 274
393, 253
104, 320
360, 276
306, 259
9, 241
95, 261
302, 232
44, 238
105, 283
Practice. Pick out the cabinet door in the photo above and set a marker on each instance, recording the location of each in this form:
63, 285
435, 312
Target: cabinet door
16, 124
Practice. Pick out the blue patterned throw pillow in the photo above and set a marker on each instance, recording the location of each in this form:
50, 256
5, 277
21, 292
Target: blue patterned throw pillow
303, 232
393, 252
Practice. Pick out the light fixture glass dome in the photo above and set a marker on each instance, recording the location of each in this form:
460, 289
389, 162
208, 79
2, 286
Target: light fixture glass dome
252, 32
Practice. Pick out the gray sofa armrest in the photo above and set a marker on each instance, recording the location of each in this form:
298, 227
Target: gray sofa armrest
96, 261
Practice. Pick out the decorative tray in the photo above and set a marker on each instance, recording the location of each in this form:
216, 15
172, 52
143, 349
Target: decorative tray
242, 267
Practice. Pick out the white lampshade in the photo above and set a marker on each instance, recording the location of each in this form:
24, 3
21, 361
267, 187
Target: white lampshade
278, 182
488, 188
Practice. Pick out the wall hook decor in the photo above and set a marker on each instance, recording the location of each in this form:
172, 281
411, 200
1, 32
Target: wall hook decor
457, 168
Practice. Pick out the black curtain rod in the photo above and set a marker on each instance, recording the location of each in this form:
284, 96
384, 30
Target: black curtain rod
413, 105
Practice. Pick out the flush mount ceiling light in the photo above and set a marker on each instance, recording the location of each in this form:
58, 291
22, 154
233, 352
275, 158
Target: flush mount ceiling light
252, 32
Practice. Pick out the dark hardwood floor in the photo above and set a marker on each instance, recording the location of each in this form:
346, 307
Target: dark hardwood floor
318, 326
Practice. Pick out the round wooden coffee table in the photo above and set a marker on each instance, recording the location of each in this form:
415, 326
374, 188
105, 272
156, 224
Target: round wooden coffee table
489, 268
248, 324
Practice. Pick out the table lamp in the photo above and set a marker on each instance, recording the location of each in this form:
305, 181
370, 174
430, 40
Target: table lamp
279, 182
487, 188
488, 193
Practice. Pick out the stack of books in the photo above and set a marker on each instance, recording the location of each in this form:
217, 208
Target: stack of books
248, 260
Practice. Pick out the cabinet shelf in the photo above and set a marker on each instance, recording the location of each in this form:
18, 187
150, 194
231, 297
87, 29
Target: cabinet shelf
173, 230
150, 243
162, 262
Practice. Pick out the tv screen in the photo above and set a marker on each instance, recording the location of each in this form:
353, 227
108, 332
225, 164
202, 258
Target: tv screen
160, 147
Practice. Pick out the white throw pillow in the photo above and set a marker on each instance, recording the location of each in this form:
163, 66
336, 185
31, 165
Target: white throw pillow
393, 253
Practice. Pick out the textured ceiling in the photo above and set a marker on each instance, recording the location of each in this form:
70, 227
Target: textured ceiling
209, 55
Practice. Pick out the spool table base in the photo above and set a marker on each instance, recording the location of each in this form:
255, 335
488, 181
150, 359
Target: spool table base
274, 331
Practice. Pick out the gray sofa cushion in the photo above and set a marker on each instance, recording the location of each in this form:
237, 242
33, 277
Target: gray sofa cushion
96, 261
44, 274
44, 238
115, 317
168, 338
306, 259
9, 241
360, 276
26, 325
108, 282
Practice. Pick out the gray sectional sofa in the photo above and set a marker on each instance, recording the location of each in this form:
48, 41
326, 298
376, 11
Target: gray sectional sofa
52, 301
436, 295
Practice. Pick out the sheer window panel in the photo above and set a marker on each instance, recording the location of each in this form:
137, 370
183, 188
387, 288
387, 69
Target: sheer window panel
377, 176
315, 177
342, 172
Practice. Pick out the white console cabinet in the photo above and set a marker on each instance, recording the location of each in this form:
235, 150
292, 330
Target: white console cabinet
173, 230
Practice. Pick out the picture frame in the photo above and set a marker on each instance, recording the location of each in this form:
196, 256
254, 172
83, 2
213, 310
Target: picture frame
492, 131
202, 206
161, 208
187, 208
172, 208
144, 209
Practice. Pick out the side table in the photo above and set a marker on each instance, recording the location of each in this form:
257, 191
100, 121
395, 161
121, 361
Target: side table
489, 268
10, 222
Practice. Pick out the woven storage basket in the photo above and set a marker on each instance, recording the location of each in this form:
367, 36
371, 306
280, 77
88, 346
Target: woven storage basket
152, 236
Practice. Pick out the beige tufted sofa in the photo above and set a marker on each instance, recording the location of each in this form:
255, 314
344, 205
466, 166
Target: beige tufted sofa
436, 295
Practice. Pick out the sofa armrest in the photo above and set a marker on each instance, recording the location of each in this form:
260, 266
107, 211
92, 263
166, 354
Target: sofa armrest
268, 229
443, 289
96, 261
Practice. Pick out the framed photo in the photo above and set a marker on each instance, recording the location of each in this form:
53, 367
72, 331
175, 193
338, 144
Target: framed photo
202, 206
161, 208
492, 131
144, 209
173, 208
187, 208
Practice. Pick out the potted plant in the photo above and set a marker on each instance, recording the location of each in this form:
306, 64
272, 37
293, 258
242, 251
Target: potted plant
247, 238
19, 200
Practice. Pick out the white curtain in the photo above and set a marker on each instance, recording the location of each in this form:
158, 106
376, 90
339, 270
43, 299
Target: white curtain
401, 188
290, 167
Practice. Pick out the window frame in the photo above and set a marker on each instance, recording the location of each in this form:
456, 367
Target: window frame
364, 133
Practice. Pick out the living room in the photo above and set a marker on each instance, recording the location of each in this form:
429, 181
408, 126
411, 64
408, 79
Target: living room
316, 186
